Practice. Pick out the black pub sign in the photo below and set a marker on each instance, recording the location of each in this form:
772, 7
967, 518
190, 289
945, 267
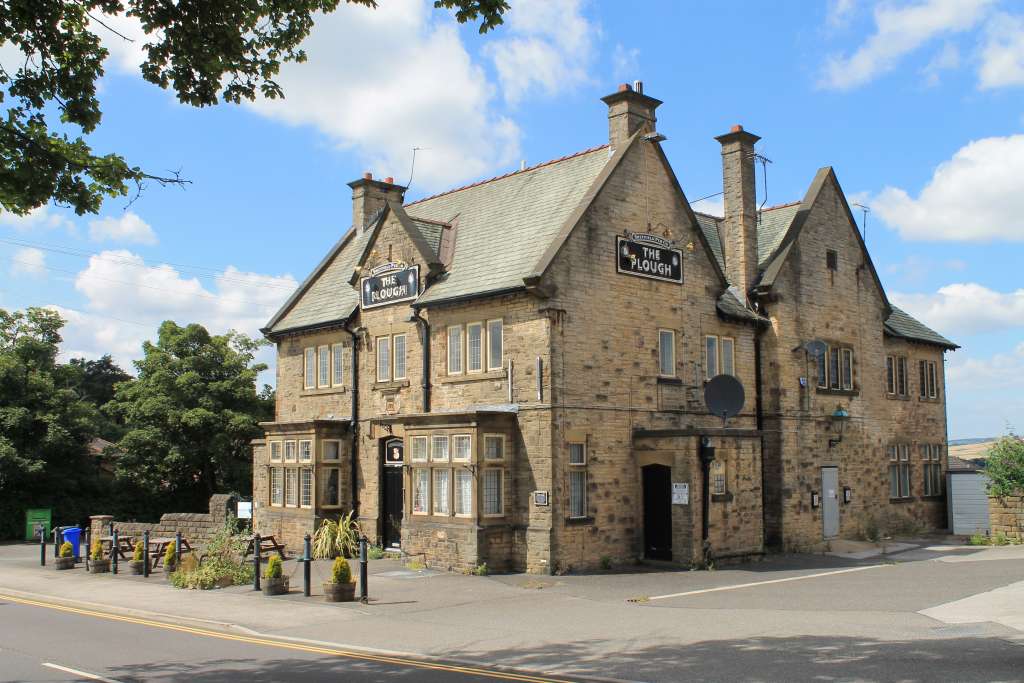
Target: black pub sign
648, 256
390, 283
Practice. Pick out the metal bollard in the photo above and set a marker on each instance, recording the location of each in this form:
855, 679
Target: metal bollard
113, 552
363, 571
307, 558
88, 547
56, 542
177, 549
145, 554
256, 540
42, 547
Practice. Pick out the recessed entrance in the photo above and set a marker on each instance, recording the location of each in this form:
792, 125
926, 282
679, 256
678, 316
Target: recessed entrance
657, 485
391, 492
830, 501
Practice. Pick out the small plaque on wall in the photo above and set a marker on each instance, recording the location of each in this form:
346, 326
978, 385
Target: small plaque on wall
680, 493
540, 497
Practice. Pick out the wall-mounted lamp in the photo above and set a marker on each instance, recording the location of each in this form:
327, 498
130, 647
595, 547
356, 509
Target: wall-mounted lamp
815, 499
838, 418
847, 495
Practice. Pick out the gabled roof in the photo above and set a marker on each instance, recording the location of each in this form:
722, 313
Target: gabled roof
772, 225
507, 223
901, 325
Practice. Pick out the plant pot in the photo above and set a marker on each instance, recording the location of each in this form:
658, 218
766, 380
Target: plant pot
61, 563
99, 566
276, 586
339, 592
135, 567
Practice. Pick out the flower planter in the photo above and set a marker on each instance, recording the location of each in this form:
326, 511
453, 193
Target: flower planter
61, 563
276, 586
339, 592
135, 567
168, 570
99, 566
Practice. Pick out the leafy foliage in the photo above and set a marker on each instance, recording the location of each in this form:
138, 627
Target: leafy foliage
1005, 466
170, 555
190, 415
341, 572
66, 549
139, 552
94, 381
228, 50
333, 538
223, 562
274, 568
96, 553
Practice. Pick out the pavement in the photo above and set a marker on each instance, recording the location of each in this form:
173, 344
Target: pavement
925, 609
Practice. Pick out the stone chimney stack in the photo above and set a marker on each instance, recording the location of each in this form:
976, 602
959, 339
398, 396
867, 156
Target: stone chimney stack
369, 196
740, 224
629, 110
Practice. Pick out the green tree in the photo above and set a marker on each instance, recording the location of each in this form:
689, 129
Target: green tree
94, 381
1005, 466
190, 414
205, 50
44, 425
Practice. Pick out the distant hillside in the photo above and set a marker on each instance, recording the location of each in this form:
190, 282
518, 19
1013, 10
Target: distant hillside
967, 442
970, 449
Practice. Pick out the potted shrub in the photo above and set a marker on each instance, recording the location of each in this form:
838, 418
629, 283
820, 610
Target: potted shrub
170, 560
274, 582
97, 563
138, 559
66, 556
341, 587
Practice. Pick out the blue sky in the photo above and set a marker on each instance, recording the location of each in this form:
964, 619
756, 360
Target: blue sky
919, 107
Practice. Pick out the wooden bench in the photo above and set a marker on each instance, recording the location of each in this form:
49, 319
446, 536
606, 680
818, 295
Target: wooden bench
268, 544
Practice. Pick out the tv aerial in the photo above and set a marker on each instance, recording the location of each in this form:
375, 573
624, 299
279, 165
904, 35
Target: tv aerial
724, 396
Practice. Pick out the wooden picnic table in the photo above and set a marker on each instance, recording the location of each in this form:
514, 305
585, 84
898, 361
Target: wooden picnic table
158, 546
125, 545
267, 544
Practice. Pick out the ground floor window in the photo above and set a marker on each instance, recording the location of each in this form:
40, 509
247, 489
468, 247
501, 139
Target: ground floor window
332, 487
306, 488
578, 493
463, 492
932, 469
899, 471
493, 493
441, 506
420, 491
291, 487
276, 490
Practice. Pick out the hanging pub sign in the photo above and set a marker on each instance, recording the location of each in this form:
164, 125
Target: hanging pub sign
648, 256
390, 283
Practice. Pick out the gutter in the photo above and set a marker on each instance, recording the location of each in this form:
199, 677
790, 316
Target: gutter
354, 416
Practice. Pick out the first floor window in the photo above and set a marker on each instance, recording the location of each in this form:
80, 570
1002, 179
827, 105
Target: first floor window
463, 492
710, 356
833, 368
306, 488
577, 454
495, 345
922, 378
420, 491
890, 374
332, 487
289, 451
728, 356
323, 367
305, 451
578, 492
439, 449
901, 376
823, 371
462, 447
309, 361
441, 506
933, 383
494, 447
276, 490
899, 471
455, 350
474, 347
398, 342
493, 503
383, 359
332, 450
419, 449
338, 365
847, 369
666, 353
275, 451
291, 487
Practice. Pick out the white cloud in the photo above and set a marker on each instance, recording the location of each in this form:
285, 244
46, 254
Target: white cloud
124, 38
899, 31
965, 309
976, 195
28, 261
128, 228
42, 218
127, 300
713, 206
380, 82
946, 59
625, 63
984, 393
839, 12
548, 44
1002, 56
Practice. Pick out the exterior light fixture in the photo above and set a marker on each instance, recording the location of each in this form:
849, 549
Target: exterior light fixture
815, 499
847, 495
838, 418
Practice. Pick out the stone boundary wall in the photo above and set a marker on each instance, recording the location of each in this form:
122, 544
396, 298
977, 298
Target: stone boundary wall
1006, 516
196, 527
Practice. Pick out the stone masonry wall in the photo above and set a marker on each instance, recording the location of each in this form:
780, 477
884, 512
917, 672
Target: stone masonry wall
197, 528
1006, 516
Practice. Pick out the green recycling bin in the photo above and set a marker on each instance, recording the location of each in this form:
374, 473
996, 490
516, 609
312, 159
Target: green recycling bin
34, 517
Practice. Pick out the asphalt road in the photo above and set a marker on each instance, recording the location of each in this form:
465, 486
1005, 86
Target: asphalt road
45, 644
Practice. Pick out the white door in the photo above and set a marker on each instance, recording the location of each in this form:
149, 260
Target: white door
830, 501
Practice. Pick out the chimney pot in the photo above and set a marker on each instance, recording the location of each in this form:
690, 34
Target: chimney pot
624, 87
367, 176
736, 129
638, 86
389, 180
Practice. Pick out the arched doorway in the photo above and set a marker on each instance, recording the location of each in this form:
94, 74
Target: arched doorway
391, 492
657, 487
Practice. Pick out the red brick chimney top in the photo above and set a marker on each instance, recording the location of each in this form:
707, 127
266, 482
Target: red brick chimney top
389, 180
625, 87
736, 129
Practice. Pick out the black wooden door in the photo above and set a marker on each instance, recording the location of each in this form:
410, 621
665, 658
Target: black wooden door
657, 482
392, 494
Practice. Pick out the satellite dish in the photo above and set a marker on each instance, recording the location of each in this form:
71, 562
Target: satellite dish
723, 395
816, 348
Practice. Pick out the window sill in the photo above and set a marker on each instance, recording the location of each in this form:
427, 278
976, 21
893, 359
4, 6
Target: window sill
897, 397
473, 377
671, 381
838, 392
908, 499
391, 386
929, 399
934, 496
579, 521
721, 497
324, 391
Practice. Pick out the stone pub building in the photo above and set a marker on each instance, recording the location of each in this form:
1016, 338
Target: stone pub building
512, 372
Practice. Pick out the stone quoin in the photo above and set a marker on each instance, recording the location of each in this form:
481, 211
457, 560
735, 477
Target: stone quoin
512, 372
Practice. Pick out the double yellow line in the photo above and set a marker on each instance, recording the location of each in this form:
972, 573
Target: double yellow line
300, 647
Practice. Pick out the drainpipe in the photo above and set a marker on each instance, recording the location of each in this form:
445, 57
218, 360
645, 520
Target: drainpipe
759, 409
424, 328
354, 417
707, 454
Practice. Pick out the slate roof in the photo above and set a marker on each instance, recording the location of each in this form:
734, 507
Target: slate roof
431, 232
775, 221
901, 324
507, 223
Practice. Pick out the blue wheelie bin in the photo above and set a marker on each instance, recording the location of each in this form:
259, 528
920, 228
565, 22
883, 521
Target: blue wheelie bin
73, 535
